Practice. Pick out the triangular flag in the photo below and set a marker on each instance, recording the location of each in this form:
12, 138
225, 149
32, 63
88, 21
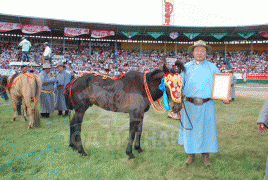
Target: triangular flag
246, 34
218, 35
130, 34
191, 35
156, 34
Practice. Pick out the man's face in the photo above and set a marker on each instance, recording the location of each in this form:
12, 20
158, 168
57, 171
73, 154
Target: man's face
200, 53
60, 68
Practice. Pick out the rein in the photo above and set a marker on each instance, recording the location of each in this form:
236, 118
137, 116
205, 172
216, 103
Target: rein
9, 85
150, 97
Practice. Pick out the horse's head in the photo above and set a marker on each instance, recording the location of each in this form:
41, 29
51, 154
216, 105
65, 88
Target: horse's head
3, 82
173, 83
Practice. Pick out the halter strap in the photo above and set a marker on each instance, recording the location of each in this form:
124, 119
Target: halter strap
149, 95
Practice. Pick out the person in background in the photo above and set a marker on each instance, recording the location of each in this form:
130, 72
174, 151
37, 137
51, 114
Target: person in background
262, 125
47, 95
200, 108
234, 81
4, 95
63, 78
25, 48
47, 54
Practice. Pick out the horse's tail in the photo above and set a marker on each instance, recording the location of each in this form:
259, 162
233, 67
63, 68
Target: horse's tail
68, 96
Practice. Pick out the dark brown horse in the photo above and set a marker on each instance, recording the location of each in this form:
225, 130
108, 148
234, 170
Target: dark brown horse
126, 94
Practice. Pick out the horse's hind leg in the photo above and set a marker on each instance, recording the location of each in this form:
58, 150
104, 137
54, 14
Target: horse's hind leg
15, 102
75, 131
30, 108
24, 110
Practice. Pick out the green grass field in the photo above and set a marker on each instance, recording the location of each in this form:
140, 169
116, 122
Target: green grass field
43, 153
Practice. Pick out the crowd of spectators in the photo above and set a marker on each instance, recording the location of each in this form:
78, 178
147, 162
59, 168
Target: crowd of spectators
96, 59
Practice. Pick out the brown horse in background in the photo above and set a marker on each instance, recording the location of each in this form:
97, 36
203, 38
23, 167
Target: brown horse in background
28, 86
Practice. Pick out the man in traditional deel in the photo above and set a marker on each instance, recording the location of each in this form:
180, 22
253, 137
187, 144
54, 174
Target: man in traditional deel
47, 95
199, 108
63, 78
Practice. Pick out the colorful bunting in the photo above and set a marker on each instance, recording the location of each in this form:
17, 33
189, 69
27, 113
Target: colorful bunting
218, 35
191, 35
156, 34
130, 34
246, 34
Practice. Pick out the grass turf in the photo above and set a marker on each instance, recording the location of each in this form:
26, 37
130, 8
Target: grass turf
43, 153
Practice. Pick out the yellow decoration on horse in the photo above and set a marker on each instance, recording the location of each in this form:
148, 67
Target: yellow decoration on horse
174, 82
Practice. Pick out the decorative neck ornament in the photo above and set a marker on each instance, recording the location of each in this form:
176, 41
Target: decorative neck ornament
174, 84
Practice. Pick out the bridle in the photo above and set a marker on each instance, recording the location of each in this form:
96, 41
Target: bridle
163, 110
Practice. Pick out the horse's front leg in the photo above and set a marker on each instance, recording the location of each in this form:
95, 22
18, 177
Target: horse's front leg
135, 128
75, 131
138, 137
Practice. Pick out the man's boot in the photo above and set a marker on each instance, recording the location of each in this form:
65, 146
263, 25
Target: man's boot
190, 160
205, 158
60, 113
66, 113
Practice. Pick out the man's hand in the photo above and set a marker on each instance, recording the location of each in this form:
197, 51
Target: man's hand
262, 128
227, 101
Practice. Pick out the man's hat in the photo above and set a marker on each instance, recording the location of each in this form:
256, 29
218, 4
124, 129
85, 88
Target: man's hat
46, 43
60, 64
199, 43
46, 66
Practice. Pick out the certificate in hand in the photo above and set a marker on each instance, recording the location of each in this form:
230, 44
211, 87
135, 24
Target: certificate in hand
221, 89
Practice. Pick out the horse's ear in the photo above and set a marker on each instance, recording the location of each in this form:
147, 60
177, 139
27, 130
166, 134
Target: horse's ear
180, 66
165, 69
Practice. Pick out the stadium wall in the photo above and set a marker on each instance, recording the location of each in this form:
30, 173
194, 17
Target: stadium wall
184, 47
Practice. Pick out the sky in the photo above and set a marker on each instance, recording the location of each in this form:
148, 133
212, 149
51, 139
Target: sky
144, 12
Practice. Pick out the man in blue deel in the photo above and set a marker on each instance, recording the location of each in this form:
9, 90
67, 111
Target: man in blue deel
199, 108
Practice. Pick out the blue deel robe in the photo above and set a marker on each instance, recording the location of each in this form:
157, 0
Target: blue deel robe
63, 79
198, 82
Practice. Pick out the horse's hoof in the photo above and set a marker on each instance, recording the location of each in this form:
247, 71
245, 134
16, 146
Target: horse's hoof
139, 150
13, 119
29, 127
25, 120
131, 156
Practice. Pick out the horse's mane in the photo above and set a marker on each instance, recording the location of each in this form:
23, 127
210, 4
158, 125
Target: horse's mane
149, 74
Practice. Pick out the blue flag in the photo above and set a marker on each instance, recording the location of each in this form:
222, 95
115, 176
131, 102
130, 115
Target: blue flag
115, 60
228, 64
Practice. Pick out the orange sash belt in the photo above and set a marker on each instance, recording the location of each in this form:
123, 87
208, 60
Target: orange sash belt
45, 91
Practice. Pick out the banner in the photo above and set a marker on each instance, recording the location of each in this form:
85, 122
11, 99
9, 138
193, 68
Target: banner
31, 29
97, 33
256, 76
4, 26
173, 35
191, 35
264, 34
246, 34
218, 35
156, 34
168, 12
75, 31
130, 34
